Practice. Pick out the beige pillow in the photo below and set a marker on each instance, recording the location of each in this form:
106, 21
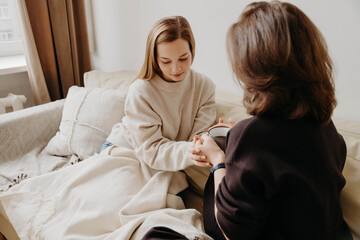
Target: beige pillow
230, 105
111, 80
350, 195
87, 119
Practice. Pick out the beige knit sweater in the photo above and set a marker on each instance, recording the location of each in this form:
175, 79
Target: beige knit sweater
162, 117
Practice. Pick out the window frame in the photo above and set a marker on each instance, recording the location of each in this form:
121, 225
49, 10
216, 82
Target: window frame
10, 47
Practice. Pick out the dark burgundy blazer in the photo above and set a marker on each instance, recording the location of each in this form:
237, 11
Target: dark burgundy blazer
283, 180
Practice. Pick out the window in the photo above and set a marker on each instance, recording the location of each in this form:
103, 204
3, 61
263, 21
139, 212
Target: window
10, 40
4, 12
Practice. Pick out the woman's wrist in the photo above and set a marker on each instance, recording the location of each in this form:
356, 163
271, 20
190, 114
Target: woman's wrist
217, 166
220, 158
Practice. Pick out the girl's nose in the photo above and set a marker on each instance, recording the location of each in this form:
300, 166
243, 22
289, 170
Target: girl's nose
175, 67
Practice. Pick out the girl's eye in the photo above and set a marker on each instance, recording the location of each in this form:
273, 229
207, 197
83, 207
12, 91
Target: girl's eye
165, 62
183, 59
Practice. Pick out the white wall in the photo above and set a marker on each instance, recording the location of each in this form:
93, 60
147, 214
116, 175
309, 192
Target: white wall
120, 29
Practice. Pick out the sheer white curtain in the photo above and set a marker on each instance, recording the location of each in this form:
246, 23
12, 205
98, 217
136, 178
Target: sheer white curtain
35, 72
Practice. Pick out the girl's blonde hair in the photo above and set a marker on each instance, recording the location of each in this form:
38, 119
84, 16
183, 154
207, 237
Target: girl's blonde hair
165, 30
280, 58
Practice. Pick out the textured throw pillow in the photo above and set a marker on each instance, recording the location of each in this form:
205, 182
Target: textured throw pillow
350, 195
112, 80
88, 117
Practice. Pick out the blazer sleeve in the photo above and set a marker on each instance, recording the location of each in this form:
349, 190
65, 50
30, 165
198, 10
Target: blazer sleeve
242, 201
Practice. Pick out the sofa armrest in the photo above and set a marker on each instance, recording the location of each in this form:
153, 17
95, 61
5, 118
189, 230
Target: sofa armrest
23, 130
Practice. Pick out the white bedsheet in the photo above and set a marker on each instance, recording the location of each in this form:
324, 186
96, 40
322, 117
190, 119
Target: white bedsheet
103, 197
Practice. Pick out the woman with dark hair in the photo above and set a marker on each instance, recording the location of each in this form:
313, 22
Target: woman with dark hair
281, 176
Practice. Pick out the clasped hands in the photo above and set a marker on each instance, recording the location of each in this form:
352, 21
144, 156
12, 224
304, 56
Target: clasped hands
204, 151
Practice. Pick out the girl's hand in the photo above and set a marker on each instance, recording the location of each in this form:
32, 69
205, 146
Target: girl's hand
195, 154
222, 124
205, 152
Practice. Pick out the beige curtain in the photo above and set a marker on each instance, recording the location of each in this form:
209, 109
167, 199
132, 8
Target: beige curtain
58, 28
36, 76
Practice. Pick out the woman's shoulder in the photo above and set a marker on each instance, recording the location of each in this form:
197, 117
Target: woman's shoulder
270, 124
245, 125
255, 129
273, 131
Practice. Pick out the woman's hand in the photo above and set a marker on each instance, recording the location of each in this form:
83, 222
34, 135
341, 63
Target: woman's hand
222, 124
211, 150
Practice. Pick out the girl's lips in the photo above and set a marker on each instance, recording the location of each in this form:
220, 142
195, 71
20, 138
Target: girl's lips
177, 75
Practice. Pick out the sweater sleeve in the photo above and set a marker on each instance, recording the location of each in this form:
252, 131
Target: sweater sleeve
149, 144
242, 213
206, 114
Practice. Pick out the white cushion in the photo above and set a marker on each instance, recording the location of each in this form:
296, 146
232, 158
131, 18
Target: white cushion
111, 80
88, 116
229, 105
350, 195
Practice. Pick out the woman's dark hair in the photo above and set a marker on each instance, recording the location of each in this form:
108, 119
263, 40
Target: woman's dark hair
280, 58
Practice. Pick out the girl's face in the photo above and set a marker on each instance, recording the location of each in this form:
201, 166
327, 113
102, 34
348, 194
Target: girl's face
174, 59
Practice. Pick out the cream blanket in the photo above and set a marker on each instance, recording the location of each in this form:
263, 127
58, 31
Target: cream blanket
103, 197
